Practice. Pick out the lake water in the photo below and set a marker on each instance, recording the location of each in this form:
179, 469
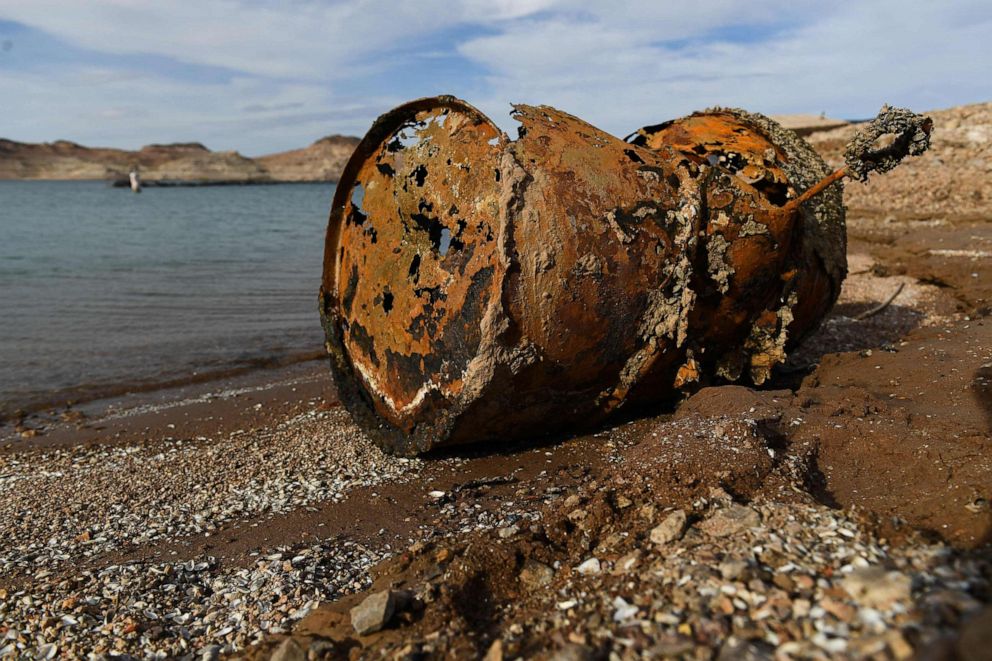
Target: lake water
103, 291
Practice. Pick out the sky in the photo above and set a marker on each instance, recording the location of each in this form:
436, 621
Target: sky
260, 77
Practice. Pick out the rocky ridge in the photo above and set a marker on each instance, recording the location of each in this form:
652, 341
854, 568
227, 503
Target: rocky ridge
179, 163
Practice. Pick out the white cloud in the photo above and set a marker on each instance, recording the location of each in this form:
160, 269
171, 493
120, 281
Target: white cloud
615, 70
316, 40
304, 69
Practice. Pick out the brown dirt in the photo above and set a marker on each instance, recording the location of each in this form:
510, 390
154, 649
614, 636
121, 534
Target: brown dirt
887, 419
856, 435
895, 433
880, 428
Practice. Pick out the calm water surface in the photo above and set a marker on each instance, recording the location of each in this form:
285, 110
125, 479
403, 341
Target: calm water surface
103, 290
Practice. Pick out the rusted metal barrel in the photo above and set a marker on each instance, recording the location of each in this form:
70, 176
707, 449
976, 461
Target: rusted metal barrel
772, 289
478, 289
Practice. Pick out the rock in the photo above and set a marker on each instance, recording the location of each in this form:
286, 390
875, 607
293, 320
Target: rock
670, 529
730, 521
210, 652
508, 531
622, 610
671, 647
903, 650
536, 574
495, 652
577, 514
289, 650
611, 541
627, 563
784, 581
731, 570
589, 567
324, 160
720, 495
572, 502
838, 609
735, 649
875, 587
374, 612
321, 648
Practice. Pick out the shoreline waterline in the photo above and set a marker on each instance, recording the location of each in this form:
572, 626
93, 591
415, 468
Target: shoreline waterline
87, 394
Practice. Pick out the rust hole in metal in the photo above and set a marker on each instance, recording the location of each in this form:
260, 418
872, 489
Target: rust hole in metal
724, 141
414, 271
420, 175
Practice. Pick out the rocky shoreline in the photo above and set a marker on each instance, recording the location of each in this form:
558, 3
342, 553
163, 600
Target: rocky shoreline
180, 164
840, 511
195, 183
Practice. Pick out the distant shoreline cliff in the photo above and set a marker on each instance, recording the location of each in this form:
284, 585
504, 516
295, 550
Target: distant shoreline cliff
192, 164
179, 164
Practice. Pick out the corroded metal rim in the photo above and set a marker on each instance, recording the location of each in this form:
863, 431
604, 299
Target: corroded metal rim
384, 126
352, 394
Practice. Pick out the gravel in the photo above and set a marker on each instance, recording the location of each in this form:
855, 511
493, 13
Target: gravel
60, 508
765, 580
69, 504
166, 610
804, 582
115, 499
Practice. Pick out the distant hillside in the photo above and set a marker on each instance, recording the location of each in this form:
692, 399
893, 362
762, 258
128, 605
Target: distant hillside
953, 177
180, 163
807, 124
324, 160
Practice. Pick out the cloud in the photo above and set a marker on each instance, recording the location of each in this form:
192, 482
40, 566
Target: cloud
308, 40
845, 59
261, 76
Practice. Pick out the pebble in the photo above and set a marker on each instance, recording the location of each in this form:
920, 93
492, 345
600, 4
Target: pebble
288, 650
536, 574
374, 613
114, 497
732, 569
622, 610
670, 529
730, 520
875, 587
589, 567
